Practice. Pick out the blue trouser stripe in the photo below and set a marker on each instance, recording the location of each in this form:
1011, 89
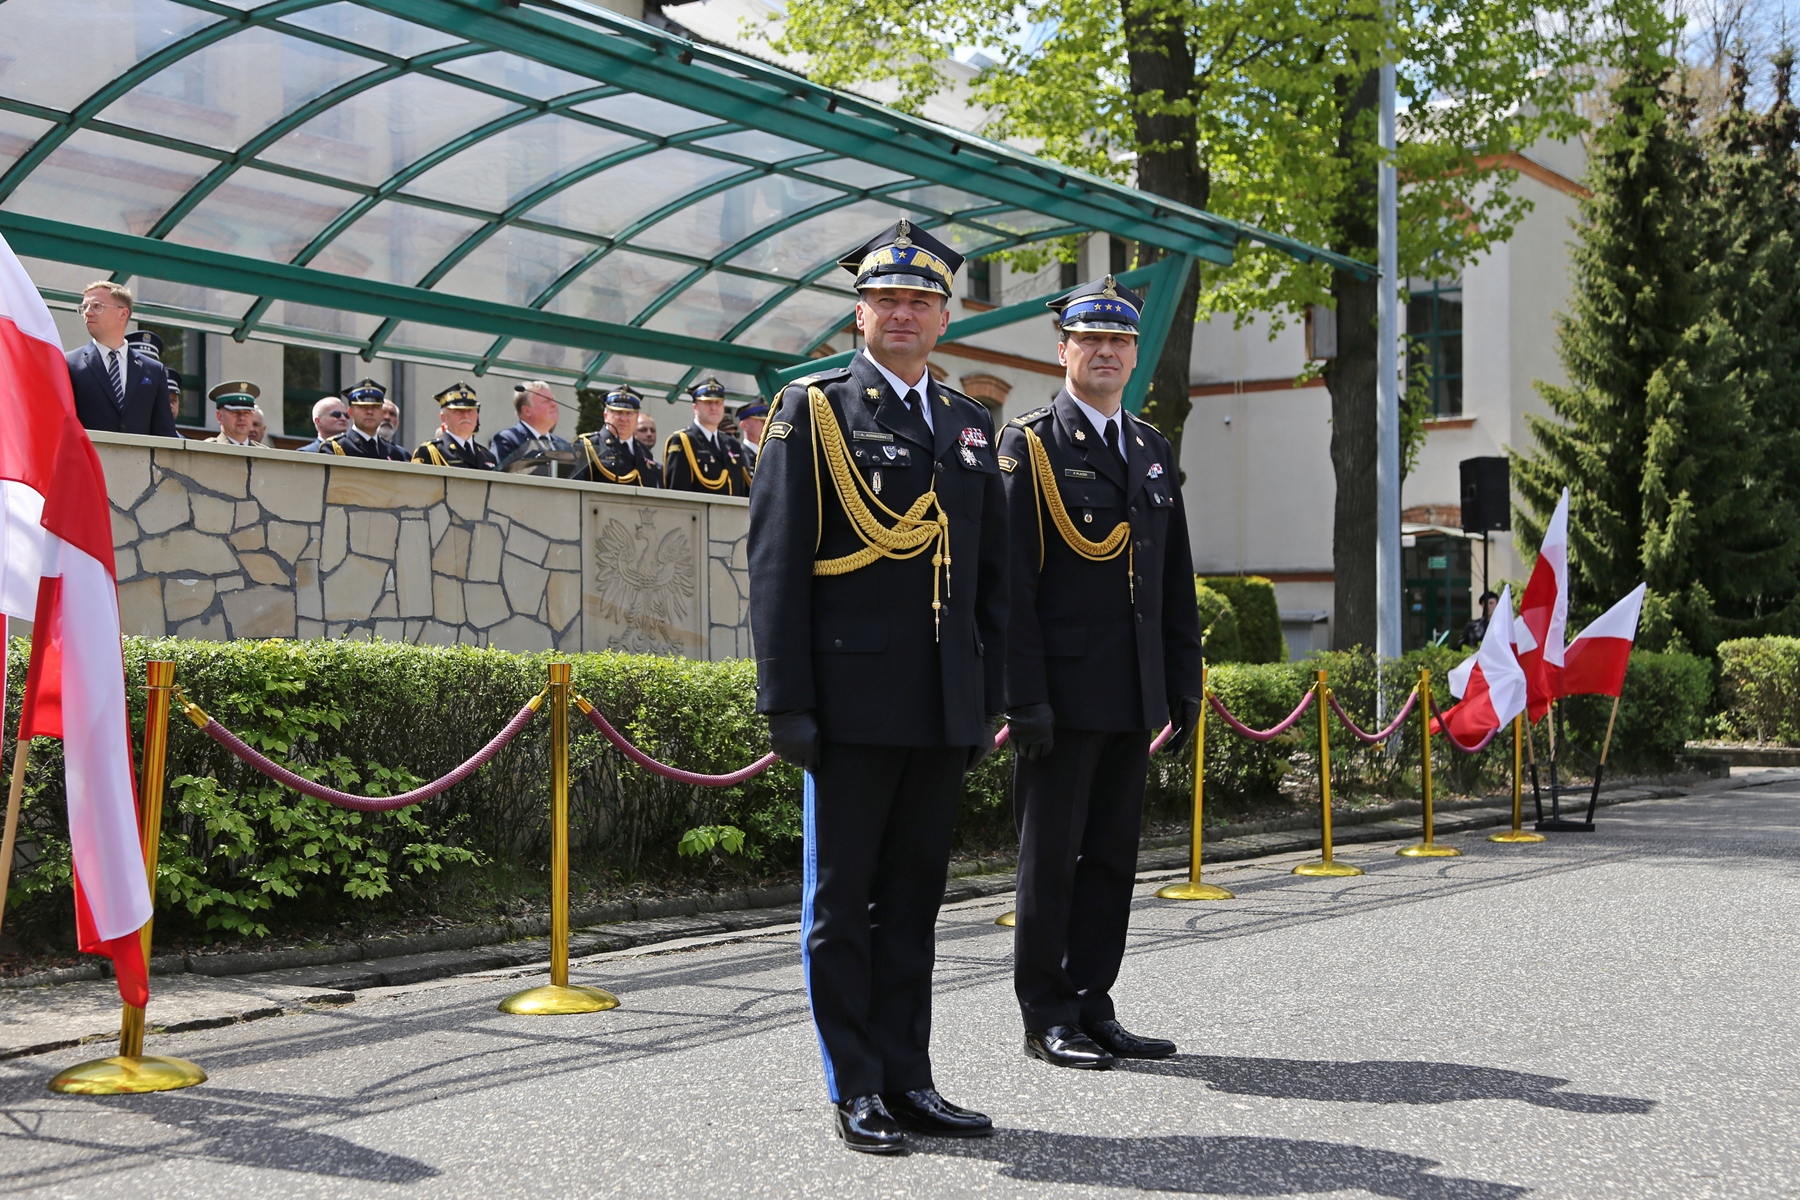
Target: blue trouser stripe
810, 889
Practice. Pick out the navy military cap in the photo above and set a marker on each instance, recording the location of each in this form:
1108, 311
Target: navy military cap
240, 394
625, 398
365, 391
708, 389
457, 395
174, 381
147, 342
756, 408
1103, 306
903, 256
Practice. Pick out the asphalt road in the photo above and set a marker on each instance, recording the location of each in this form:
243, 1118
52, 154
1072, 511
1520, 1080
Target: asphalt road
1604, 1015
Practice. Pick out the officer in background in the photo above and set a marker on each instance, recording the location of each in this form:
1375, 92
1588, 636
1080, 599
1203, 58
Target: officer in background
459, 419
611, 454
234, 404
751, 419
148, 342
703, 458
878, 608
362, 439
1103, 645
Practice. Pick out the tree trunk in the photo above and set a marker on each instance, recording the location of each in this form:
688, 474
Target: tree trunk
1351, 378
1168, 165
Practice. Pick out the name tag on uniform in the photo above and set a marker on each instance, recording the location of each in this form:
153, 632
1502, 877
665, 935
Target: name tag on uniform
1072, 473
869, 435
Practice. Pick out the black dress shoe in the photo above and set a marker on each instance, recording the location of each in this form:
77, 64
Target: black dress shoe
866, 1126
1123, 1043
924, 1111
1067, 1046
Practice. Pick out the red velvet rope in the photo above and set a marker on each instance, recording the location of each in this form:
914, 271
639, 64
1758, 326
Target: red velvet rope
1477, 748
1261, 735
331, 795
1372, 738
676, 773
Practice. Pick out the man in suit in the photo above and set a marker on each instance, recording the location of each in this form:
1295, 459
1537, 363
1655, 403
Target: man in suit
234, 404
363, 438
1103, 645
118, 388
880, 672
330, 417
612, 454
534, 432
703, 457
459, 417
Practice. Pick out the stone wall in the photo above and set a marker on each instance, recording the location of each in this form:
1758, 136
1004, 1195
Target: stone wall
222, 542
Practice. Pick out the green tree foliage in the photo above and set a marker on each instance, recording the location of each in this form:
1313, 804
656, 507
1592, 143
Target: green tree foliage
1264, 111
1657, 434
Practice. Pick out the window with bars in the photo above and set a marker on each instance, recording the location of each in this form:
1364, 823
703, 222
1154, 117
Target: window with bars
983, 279
1434, 330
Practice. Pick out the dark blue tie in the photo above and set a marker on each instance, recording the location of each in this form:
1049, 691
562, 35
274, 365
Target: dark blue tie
118, 384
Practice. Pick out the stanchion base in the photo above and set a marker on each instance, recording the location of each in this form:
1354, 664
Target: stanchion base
1194, 891
1516, 835
1010, 918
123, 1076
552, 1000
1428, 850
1333, 869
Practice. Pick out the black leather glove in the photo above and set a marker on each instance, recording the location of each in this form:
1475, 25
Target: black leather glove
1184, 716
795, 736
1033, 730
978, 753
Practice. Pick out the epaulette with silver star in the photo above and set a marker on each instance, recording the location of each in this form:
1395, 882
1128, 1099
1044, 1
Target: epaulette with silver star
1036, 414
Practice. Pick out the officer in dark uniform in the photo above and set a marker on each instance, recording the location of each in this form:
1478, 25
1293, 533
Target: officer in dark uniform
459, 419
752, 419
702, 457
365, 398
878, 605
611, 454
1103, 645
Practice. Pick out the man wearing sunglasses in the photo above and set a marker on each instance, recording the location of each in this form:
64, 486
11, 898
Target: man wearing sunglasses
330, 417
118, 387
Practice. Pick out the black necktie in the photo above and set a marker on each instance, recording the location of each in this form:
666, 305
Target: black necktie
1112, 435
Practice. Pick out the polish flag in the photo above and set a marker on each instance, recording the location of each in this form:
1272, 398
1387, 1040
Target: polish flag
1596, 661
1544, 613
1490, 684
56, 569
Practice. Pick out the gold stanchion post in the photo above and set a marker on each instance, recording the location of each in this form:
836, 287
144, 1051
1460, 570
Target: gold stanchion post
1517, 833
559, 996
1325, 865
1193, 889
1427, 848
132, 1070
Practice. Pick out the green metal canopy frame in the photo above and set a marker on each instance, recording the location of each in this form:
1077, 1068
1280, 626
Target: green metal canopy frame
530, 186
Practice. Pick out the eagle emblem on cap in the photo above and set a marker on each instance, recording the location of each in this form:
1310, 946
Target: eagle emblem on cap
902, 234
1111, 290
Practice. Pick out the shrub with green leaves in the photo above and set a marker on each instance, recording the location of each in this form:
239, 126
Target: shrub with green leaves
1252, 599
1759, 689
1218, 625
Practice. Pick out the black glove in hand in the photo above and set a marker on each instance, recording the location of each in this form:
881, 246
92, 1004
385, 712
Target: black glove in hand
1184, 715
1033, 730
795, 736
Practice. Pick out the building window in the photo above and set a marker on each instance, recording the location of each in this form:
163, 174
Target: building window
184, 352
982, 281
1119, 260
1434, 329
307, 375
1071, 274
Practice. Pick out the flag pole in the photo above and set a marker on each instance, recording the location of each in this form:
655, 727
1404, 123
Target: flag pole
1607, 744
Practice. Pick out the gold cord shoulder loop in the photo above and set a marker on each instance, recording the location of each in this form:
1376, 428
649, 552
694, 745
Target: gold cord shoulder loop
1102, 551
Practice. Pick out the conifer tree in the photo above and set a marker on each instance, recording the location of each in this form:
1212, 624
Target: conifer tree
1653, 435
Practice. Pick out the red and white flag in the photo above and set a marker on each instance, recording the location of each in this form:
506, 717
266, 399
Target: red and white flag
1597, 658
1544, 614
56, 569
1490, 684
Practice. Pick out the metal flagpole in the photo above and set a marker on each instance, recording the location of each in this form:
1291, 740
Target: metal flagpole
1387, 386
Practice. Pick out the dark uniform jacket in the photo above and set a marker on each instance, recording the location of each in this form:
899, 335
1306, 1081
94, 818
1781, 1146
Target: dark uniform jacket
354, 443
1079, 639
519, 439
146, 392
445, 451
723, 468
607, 459
859, 648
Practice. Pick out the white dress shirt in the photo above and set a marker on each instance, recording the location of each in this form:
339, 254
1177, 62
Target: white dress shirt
901, 387
1099, 421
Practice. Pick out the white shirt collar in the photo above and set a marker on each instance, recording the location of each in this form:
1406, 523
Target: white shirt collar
901, 387
120, 351
1099, 421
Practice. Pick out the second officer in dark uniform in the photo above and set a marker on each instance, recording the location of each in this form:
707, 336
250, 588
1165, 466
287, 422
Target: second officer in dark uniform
459, 418
1103, 645
365, 398
878, 604
612, 454
703, 457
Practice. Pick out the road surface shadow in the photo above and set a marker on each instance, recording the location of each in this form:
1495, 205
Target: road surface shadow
1225, 1166
1384, 1082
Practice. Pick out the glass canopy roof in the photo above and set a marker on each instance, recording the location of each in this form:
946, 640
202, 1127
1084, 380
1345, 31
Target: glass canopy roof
540, 188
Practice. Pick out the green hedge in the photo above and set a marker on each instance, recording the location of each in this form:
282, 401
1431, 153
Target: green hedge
1258, 616
1759, 689
1218, 625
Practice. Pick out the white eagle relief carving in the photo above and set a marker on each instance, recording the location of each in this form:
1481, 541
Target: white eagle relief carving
645, 582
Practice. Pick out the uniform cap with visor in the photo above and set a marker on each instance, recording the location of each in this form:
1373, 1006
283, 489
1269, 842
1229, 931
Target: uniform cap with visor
457, 395
903, 256
1103, 306
708, 389
365, 391
625, 398
238, 394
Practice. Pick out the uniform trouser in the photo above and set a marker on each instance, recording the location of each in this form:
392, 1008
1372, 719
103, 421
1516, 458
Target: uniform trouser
1078, 812
878, 826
